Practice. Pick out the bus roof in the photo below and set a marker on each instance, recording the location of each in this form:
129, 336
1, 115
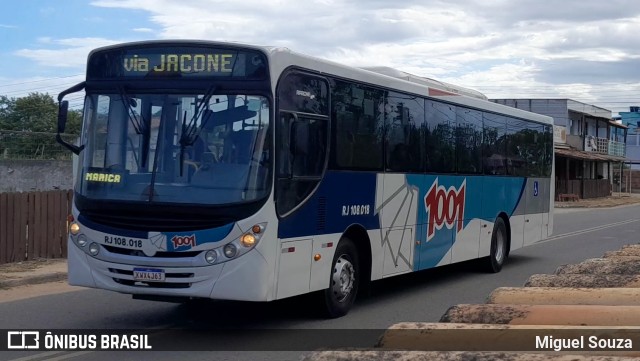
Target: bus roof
281, 58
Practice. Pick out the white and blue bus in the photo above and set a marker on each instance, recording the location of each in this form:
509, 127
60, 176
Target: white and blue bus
223, 171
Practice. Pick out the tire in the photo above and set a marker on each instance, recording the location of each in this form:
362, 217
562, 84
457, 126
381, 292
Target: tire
499, 247
343, 280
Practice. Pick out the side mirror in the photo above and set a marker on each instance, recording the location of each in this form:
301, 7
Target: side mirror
63, 110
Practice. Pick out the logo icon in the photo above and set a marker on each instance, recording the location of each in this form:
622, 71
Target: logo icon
184, 241
535, 188
23, 340
445, 207
159, 240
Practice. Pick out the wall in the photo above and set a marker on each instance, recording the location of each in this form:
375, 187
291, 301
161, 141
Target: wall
30, 175
631, 181
555, 108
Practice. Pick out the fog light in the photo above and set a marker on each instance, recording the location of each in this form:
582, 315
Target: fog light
74, 228
230, 250
94, 249
248, 240
82, 240
211, 256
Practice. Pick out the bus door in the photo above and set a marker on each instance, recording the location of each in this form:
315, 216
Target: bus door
537, 188
301, 153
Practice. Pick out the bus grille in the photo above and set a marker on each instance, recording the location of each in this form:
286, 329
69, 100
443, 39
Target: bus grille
159, 223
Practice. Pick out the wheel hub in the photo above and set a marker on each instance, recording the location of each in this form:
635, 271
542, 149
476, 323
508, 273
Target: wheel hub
343, 279
500, 247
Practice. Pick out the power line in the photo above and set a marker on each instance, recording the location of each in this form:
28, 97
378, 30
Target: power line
38, 89
41, 80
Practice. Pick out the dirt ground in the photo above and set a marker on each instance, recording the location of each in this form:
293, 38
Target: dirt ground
615, 200
9, 270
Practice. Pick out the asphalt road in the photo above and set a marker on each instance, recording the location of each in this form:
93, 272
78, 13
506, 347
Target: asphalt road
578, 234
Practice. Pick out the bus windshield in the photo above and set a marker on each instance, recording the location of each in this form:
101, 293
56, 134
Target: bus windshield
207, 148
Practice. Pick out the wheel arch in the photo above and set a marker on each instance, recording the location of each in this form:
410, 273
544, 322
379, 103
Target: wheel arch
507, 224
359, 236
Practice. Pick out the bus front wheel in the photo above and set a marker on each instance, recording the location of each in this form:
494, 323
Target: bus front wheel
344, 281
499, 247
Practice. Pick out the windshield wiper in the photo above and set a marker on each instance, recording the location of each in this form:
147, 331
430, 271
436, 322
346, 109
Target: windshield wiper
183, 141
154, 169
137, 125
190, 132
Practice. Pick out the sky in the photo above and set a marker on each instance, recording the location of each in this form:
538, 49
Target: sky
585, 50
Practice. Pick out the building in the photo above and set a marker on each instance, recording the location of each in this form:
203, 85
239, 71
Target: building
632, 120
588, 145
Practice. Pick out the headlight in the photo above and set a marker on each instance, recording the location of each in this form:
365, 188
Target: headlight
248, 240
74, 228
230, 250
236, 248
82, 240
211, 256
94, 249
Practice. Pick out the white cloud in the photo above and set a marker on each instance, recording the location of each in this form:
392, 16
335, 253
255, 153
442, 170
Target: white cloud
71, 52
541, 48
143, 30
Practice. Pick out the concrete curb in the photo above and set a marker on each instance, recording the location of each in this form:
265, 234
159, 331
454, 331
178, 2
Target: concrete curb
584, 281
550, 315
598, 297
34, 280
377, 355
422, 336
618, 266
565, 296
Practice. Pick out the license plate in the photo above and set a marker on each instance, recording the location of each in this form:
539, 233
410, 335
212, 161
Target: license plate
148, 274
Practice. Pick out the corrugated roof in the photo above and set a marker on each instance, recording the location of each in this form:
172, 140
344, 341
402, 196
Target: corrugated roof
580, 154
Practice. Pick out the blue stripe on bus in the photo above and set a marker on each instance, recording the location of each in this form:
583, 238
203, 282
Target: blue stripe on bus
342, 191
485, 198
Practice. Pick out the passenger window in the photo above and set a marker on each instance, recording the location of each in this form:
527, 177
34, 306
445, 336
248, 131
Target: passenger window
440, 137
359, 114
404, 121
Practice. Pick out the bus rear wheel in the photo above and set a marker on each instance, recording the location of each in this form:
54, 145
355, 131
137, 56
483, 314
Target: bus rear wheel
499, 247
344, 280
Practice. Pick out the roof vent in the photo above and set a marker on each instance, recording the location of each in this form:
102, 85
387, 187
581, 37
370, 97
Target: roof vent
432, 83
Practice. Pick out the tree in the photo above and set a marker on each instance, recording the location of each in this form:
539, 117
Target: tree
32, 120
36, 112
6, 108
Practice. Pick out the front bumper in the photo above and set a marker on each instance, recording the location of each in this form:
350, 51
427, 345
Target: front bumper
245, 278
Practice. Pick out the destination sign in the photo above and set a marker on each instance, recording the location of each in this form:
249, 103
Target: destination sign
183, 63
176, 62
